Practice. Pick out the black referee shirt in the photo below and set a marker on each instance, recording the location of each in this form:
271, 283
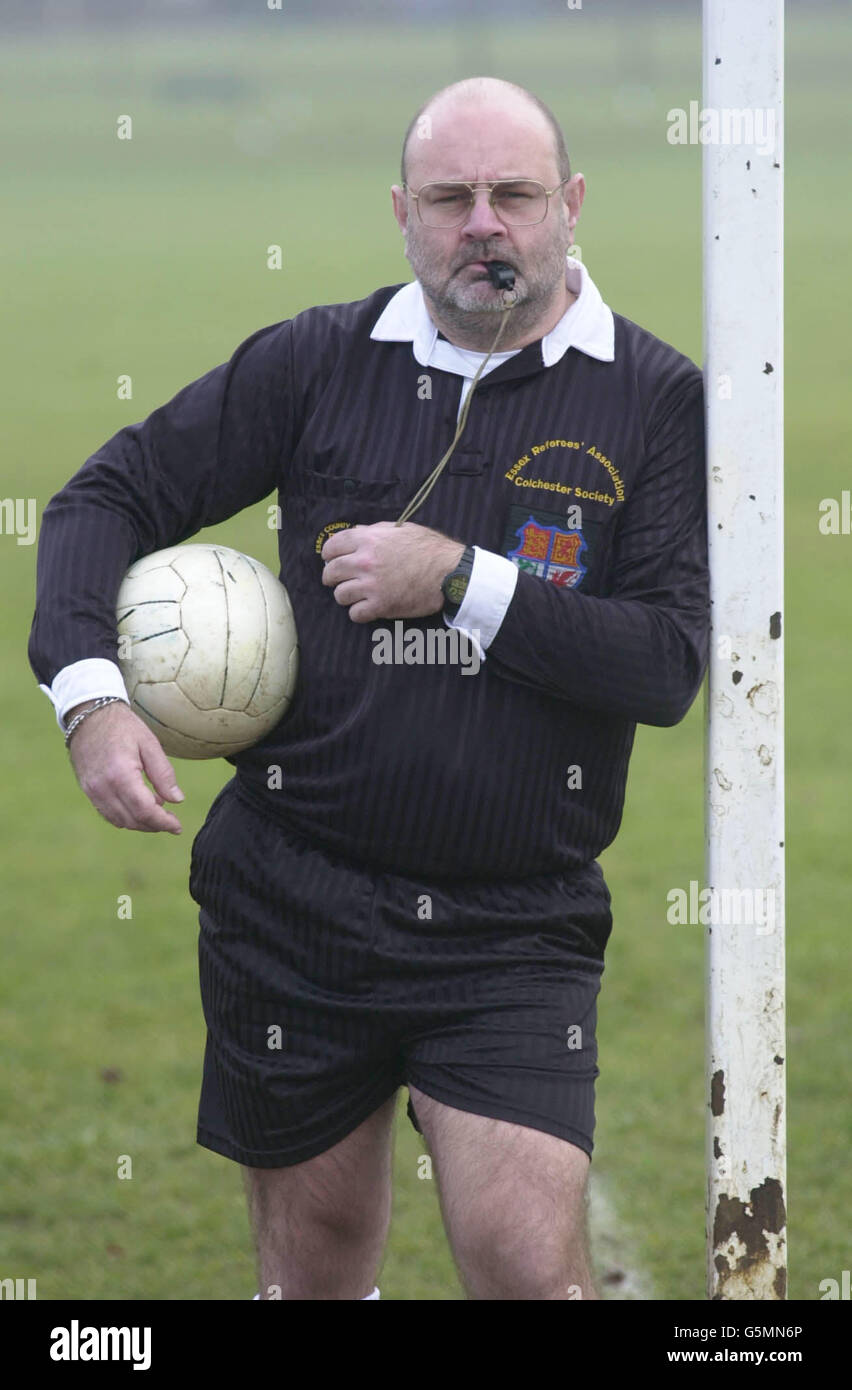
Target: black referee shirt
424, 770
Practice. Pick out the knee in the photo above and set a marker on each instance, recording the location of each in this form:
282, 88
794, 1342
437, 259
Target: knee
344, 1218
318, 1216
501, 1260
341, 1227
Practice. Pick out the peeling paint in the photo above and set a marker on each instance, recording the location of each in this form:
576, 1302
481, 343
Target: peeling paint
748, 1243
717, 1093
763, 697
775, 626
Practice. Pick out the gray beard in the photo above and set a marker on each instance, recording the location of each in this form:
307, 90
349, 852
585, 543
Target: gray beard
478, 325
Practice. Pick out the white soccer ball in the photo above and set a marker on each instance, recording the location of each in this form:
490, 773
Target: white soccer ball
207, 648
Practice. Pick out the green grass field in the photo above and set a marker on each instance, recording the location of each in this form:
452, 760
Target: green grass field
148, 257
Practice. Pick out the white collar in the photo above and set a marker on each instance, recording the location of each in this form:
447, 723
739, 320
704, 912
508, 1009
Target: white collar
587, 325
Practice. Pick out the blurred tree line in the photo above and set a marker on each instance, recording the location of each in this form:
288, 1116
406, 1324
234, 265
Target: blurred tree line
127, 14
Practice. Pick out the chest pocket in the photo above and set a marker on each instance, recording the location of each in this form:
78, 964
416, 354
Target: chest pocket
318, 504
319, 488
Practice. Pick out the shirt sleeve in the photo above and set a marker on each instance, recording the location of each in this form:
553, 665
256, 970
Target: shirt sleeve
489, 593
641, 651
84, 680
214, 449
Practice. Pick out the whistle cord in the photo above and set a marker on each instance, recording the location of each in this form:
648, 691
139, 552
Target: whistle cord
426, 487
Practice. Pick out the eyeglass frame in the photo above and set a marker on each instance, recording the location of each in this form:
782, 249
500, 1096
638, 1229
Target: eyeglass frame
473, 189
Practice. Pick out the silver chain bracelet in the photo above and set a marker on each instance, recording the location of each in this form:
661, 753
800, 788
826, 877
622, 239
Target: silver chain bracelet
78, 718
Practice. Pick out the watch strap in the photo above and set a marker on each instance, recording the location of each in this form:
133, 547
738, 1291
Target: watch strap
454, 585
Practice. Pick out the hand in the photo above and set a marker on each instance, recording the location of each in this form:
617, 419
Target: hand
109, 752
389, 571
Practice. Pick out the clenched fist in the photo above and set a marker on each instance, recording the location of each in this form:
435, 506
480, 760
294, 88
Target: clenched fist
389, 571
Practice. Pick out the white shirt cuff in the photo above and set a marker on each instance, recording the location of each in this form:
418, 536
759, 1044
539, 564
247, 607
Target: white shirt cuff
489, 592
84, 680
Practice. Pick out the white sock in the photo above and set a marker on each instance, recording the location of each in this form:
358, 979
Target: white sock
365, 1299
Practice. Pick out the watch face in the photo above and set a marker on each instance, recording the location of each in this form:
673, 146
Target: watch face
457, 587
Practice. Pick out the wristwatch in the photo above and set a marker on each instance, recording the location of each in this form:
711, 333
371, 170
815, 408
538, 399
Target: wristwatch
454, 585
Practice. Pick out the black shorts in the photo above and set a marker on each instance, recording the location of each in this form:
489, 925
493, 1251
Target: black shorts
325, 988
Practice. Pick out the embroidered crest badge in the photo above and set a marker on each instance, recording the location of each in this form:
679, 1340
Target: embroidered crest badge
549, 552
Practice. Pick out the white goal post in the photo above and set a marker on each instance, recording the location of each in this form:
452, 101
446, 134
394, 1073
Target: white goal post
741, 130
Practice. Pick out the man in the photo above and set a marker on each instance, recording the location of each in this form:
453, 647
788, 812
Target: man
402, 877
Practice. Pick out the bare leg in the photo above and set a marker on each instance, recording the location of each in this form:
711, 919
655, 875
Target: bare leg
321, 1226
514, 1205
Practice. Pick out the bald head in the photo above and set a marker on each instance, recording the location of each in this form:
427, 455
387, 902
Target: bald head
488, 93
485, 132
